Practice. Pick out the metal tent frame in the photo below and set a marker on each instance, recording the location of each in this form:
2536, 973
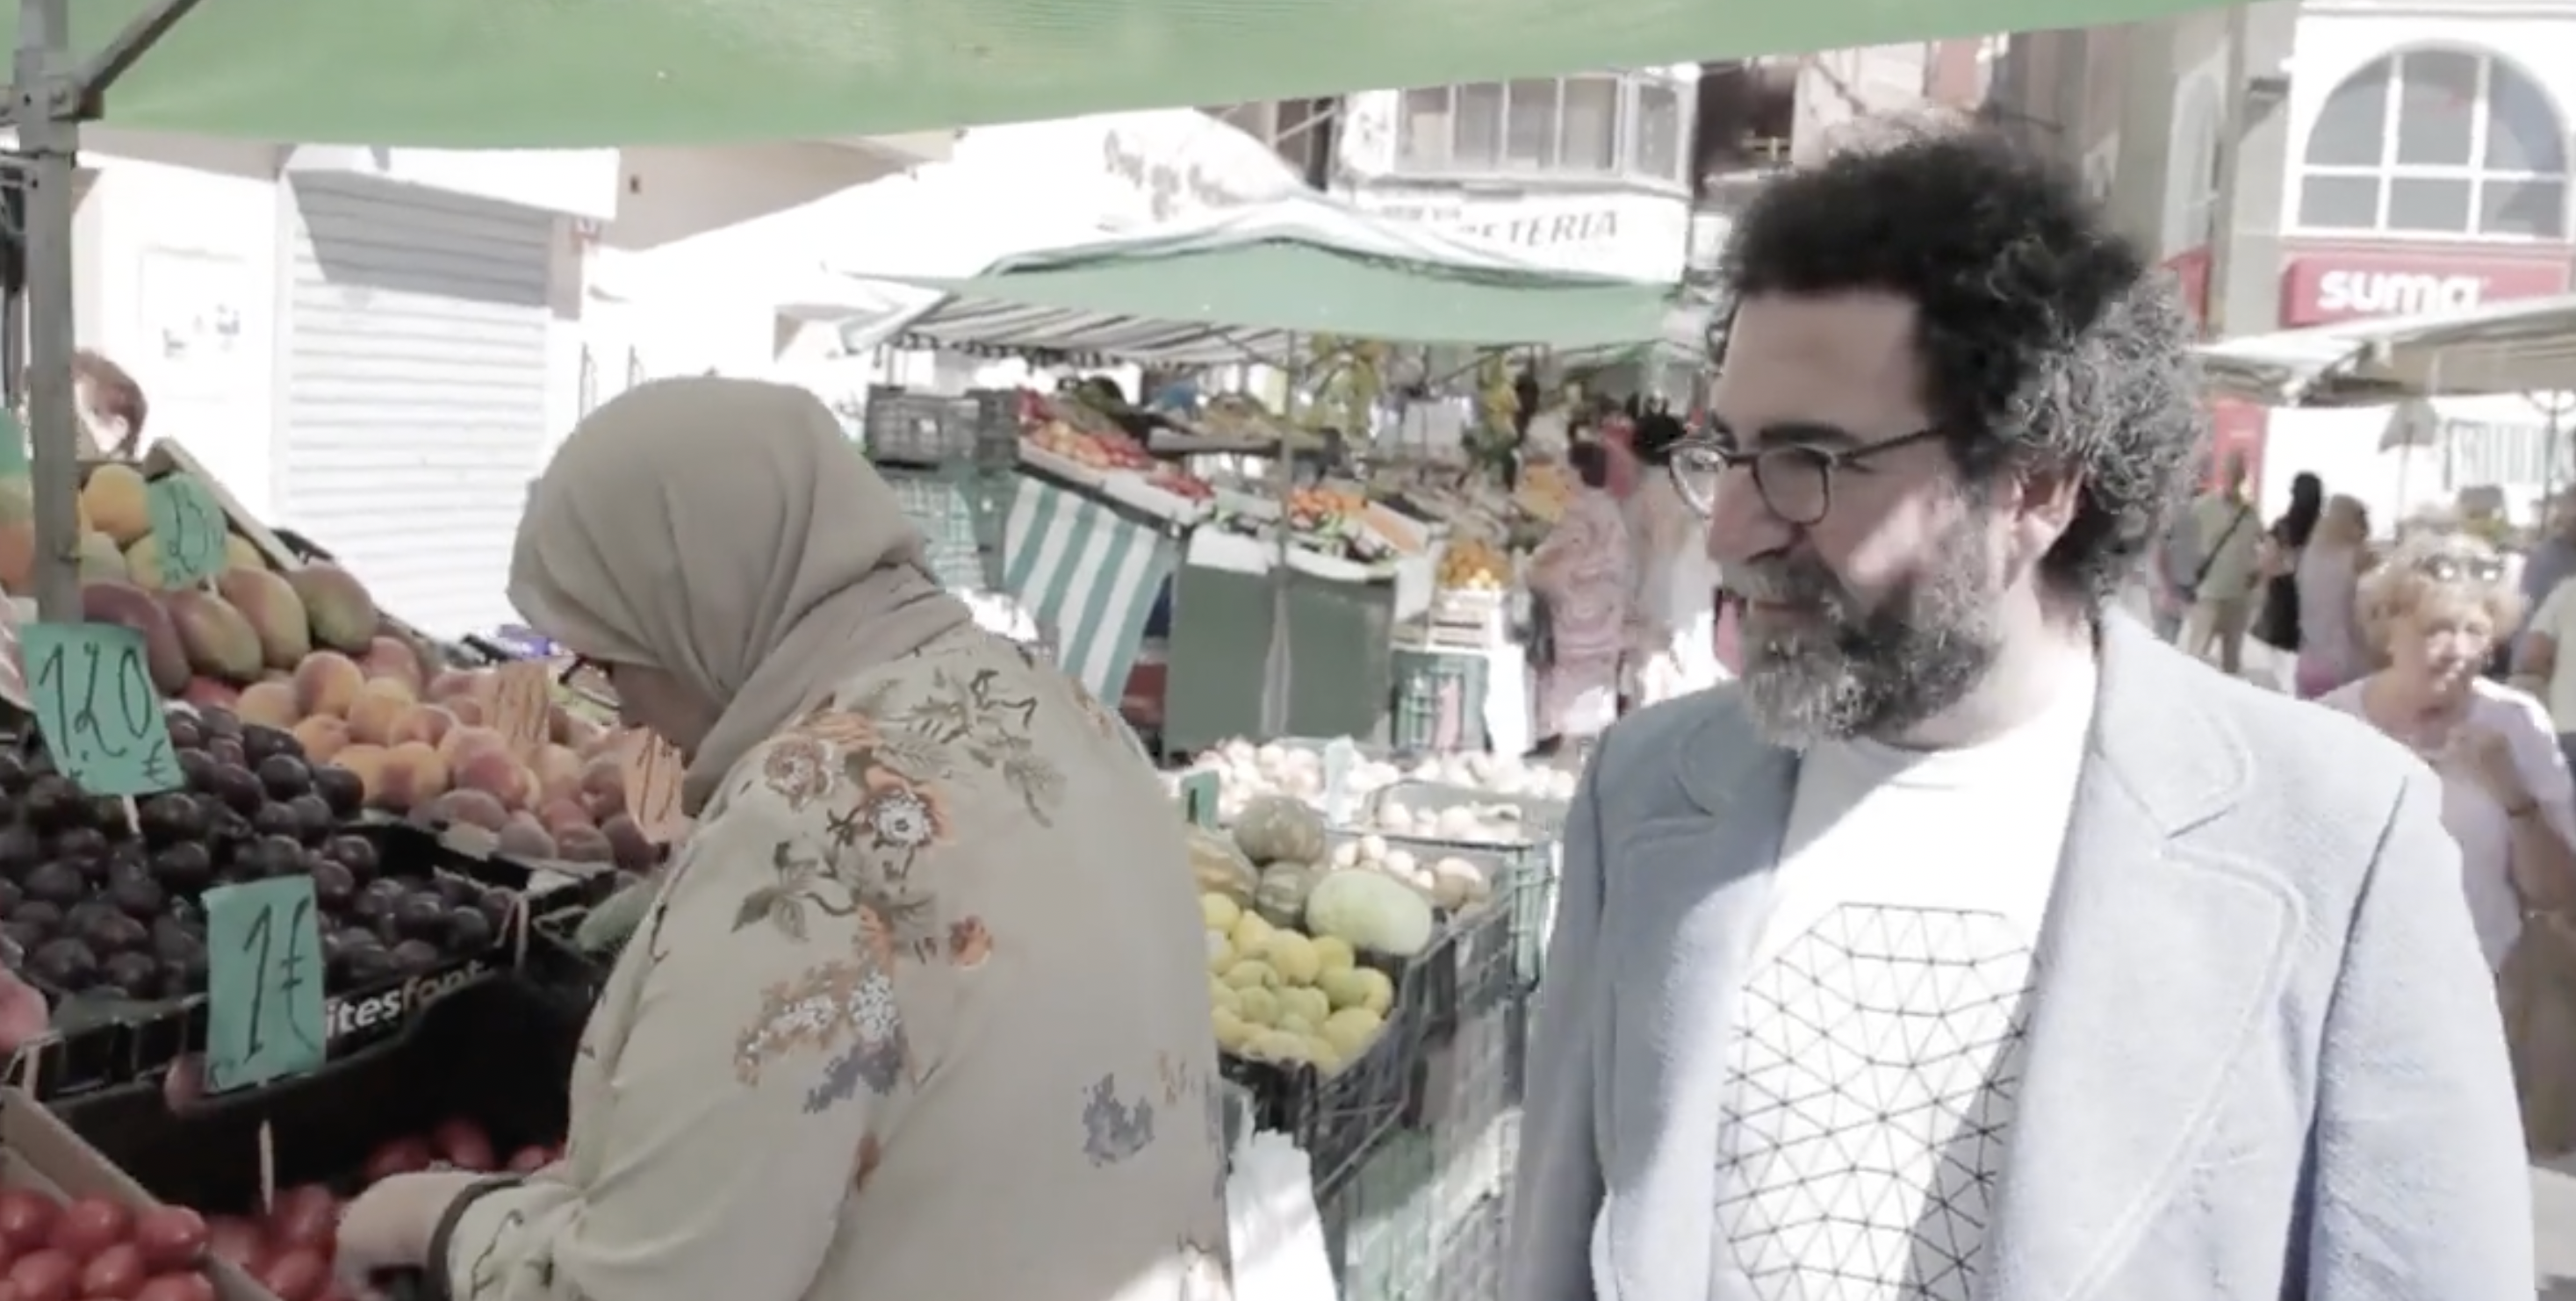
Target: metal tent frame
50, 95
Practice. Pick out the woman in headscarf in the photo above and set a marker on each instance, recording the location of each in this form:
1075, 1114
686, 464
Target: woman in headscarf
1581, 571
921, 1011
1673, 615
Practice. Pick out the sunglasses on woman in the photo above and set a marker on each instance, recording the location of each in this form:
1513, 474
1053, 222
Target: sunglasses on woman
2453, 569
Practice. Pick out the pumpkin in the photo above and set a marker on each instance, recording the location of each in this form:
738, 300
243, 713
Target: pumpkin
1220, 868
1277, 829
1281, 898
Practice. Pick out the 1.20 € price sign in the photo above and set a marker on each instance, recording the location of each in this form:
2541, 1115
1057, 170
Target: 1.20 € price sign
96, 708
653, 769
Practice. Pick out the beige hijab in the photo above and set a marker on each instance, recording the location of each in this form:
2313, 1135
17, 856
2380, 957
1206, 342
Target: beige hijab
727, 532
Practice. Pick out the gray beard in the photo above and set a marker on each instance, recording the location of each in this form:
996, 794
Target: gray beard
1877, 672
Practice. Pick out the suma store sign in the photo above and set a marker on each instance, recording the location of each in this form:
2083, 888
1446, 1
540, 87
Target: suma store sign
2321, 288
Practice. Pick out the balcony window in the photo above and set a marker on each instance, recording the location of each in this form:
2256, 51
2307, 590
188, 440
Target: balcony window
1631, 125
2437, 142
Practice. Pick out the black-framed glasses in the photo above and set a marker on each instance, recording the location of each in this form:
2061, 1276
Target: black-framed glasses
2446, 567
1796, 480
578, 665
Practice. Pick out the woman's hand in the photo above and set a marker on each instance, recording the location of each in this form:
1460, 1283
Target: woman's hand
389, 1226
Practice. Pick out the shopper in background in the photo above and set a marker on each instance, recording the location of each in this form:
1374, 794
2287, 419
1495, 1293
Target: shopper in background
1974, 943
2333, 649
1672, 641
2544, 662
2435, 610
1581, 571
921, 1009
110, 407
2276, 564
2227, 541
2551, 560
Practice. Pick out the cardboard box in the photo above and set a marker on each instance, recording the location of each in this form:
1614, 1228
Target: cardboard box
38, 1151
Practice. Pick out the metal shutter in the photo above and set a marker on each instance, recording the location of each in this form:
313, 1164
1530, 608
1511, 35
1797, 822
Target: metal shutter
415, 390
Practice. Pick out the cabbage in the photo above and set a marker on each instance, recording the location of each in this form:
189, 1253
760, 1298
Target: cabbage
1372, 913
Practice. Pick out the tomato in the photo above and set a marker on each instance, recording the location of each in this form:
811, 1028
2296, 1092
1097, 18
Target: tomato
92, 1225
304, 1216
114, 1274
465, 1145
26, 1218
296, 1275
171, 1237
185, 1285
232, 1238
47, 1275
402, 1156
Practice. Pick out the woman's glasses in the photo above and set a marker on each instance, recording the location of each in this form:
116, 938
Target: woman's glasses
2455, 569
1796, 480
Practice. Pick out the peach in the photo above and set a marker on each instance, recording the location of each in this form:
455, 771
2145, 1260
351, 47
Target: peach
464, 739
414, 775
468, 710
325, 683
209, 693
608, 741
524, 839
495, 773
584, 844
467, 808
268, 705
628, 846
376, 709
603, 787
556, 814
579, 731
322, 737
393, 658
368, 762
427, 724
448, 684
557, 763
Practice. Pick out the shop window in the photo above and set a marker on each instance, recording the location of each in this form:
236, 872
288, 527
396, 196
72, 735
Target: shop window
2437, 142
1602, 124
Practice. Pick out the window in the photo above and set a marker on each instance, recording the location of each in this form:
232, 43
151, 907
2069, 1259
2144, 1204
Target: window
1598, 124
2437, 142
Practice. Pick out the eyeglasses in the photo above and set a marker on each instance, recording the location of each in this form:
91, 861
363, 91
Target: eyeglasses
578, 665
1796, 480
2453, 568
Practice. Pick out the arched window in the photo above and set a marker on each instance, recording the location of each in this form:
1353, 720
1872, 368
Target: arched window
2437, 142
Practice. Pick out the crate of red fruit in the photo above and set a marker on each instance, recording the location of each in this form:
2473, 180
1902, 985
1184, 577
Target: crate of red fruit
104, 907
73, 1225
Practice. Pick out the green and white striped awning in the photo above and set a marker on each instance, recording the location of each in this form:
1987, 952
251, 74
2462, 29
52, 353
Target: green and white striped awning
1090, 572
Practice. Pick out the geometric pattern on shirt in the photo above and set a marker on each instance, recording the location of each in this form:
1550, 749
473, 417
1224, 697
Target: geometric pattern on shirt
1870, 1091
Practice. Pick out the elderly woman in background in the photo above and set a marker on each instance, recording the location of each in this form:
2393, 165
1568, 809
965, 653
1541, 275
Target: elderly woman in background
2327, 570
1581, 571
2434, 611
1672, 616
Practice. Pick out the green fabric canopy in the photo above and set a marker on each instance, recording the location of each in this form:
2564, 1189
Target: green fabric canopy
566, 73
1243, 282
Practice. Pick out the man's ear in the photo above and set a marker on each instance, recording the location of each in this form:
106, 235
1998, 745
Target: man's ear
2044, 505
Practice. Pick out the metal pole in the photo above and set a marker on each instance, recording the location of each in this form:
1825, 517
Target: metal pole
46, 102
2233, 112
1283, 471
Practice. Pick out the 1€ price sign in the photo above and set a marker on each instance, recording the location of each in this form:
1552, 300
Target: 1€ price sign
1198, 798
653, 769
96, 708
264, 982
189, 528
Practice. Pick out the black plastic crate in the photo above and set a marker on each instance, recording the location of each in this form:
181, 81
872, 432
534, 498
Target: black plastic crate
926, 429
1338, 1120
997, 426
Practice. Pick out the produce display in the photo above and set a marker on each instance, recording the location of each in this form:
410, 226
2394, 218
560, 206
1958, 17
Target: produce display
1329, 521
1473, 564
1284, 969
99, 1249
92, 903
425, 748
1447, 881
1103, 451
1247, 771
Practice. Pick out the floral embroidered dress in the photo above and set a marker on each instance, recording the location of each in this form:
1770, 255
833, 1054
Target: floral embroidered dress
1582, 571
910, 1007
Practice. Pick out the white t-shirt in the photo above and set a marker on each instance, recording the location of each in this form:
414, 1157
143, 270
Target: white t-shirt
1878, 1036
2229, 545
2556, 620
2477, 823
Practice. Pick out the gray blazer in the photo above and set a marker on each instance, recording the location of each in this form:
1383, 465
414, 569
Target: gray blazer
2268, 1061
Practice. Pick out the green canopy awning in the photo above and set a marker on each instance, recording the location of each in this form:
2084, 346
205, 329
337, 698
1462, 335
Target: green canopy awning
564, 73
1243, 283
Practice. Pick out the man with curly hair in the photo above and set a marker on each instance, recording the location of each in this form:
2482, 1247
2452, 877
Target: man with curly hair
1977, 942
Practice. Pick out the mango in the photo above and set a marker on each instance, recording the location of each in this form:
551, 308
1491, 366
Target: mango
164, 658
219, 641
327, 682
143, 564
240, 554
269, 704
100, 561
118, 503
343, 615
275, 613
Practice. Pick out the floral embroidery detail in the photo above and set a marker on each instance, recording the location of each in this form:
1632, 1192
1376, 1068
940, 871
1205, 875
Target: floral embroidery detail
784, 903
841, 729
798, 769
969, 944
1113, 1131
896, 814
871, 1155
845, 1007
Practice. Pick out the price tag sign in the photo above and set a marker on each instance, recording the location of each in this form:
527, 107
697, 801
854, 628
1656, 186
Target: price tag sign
264, 982
96, 708
13, 445
189, 527
1198, 798
1339, 757
653, 769
522, 693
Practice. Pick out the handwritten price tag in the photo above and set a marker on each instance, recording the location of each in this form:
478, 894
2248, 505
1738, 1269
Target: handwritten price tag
1198, 798
189, 527
264, 982
653, 769
522, 695
96, 708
